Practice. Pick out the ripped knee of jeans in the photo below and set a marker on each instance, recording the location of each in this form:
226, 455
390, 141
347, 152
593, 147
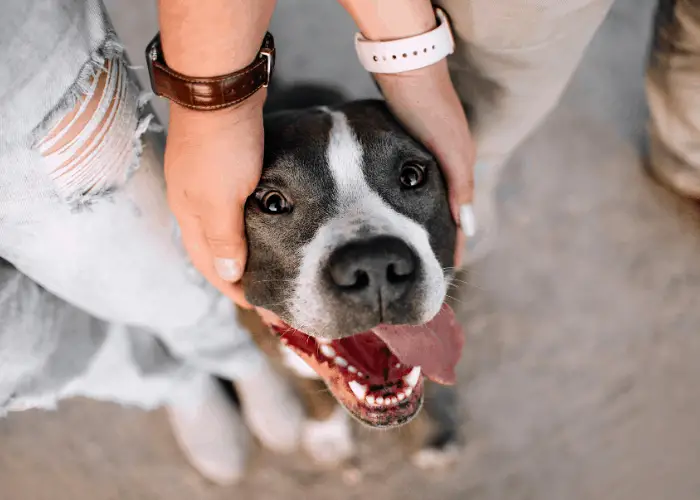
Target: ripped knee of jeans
95, 145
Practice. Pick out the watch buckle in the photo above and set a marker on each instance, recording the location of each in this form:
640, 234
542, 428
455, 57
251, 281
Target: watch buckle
268, 55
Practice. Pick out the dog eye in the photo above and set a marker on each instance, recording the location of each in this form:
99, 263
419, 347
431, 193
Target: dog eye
412, 176
273, 203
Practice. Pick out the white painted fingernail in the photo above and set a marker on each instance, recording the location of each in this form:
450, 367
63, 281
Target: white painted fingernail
467, 220
228, 269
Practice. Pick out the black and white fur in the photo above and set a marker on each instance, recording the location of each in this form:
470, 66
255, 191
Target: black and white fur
338, 165
339, 168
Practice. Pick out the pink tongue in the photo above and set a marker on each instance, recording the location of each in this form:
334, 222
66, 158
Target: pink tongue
435, 346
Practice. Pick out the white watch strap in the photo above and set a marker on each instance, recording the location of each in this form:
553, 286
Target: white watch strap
407, 54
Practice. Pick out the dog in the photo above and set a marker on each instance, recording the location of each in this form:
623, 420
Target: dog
351, 244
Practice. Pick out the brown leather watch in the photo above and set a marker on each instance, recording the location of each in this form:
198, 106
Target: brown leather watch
210, 93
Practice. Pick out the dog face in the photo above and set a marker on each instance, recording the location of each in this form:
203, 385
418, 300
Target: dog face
350, 228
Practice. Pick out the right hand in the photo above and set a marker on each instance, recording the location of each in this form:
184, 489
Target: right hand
213, 162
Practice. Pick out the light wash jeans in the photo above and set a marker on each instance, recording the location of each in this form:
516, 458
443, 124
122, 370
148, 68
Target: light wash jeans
97, 297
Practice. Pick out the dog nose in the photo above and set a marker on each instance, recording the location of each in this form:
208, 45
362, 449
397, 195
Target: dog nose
375, 271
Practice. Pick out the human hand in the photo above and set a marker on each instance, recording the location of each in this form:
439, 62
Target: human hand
426, 103
213, 162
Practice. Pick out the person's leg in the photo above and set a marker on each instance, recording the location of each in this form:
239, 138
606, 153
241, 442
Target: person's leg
44, 343
83, 212
673, 92
513, 60
50, 351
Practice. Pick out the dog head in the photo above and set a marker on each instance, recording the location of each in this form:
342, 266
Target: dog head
350, 235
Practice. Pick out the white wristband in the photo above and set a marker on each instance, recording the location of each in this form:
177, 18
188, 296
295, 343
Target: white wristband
407, 54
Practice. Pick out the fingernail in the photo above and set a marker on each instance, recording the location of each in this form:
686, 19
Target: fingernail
228, 269
467, 220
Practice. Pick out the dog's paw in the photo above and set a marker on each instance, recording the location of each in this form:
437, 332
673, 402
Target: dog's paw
329, 442
436, 458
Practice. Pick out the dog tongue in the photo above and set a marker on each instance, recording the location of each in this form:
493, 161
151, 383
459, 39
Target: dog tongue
435, 346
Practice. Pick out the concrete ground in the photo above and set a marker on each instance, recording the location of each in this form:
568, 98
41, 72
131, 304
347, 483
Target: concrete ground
580, 376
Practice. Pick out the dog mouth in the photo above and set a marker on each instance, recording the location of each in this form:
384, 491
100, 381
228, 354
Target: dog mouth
378, 376
363, 375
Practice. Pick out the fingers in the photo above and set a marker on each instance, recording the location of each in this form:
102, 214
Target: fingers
457, 156
460, 245
455, 153
213, 162
426, 103
459, 174
197, 246
224, 234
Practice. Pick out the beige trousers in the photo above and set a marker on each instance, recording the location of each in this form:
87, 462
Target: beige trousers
514, 59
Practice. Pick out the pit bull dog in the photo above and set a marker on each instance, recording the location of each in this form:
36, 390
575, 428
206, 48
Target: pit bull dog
351, 245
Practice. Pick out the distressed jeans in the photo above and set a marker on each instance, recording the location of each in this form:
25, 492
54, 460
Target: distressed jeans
97, 296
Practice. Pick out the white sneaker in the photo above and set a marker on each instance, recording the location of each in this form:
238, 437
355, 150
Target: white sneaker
209, 430
329, 442
271, 409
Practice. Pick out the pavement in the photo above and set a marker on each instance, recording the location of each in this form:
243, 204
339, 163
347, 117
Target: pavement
580, 374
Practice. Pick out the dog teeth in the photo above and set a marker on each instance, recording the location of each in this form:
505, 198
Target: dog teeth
386, 402
410, 382
323, 341
340, 361
352, 369
327, 351
412, 378
358, 389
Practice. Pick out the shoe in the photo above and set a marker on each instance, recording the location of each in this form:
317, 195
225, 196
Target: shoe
209, 430
271, 409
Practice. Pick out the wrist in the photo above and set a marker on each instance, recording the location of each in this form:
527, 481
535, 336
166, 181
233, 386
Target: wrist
212, 37
434, 75
385, 20
205, 122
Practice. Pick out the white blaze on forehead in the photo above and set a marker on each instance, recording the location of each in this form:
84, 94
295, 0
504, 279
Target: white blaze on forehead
358, 207
344, 156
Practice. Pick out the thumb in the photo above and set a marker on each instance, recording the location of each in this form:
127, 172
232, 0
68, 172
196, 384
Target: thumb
459, 176
460, 184
461, 188
224, 232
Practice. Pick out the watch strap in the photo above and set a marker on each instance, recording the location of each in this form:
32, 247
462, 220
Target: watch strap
406, 54
210, 93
